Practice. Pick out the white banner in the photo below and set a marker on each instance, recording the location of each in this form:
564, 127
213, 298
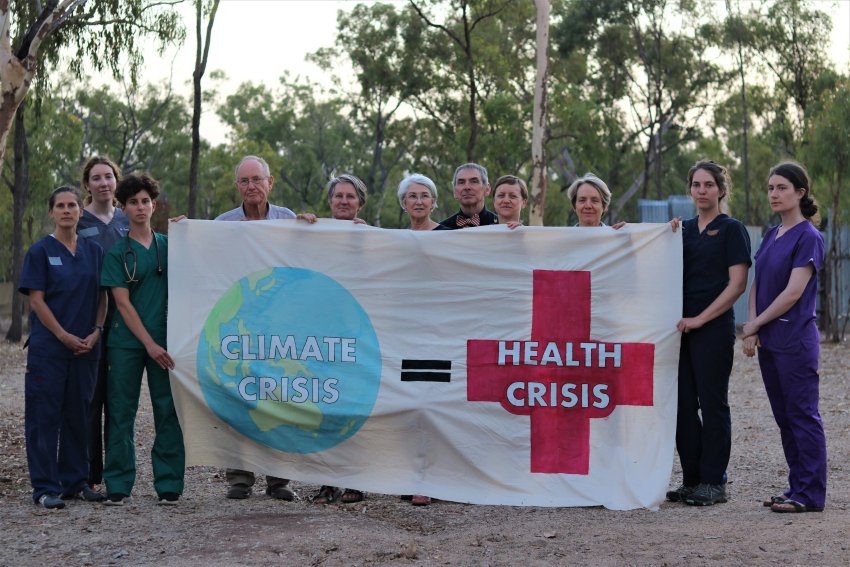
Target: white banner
527, 367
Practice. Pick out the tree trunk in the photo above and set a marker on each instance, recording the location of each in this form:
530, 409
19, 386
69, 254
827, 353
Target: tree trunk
20, 196
201, 55
540, 116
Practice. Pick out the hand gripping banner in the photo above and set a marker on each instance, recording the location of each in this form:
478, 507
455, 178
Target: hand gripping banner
527, 367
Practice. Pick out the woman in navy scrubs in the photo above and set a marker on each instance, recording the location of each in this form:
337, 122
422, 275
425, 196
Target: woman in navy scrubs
782, 324
104, 223
61, 276
716, 261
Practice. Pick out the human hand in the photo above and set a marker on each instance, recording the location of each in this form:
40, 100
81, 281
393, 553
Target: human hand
309, 217
160, 356
513, 224
674, 223
90, 341
751, 328
177, 218
73, 343
750, 344
687, 324
358, 220
618, 225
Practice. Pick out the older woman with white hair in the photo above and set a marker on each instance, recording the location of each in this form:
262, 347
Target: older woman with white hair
590, 198
417, 195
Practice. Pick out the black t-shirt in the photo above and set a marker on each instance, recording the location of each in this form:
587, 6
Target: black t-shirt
708, 257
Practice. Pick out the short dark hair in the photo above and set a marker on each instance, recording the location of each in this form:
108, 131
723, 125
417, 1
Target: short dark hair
63, 189
135, 182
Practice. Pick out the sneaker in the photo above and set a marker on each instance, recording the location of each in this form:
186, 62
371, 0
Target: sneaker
115, 499
707, 494
168, 499
281, 493
239, 491
680, 494
86, 494
51, 502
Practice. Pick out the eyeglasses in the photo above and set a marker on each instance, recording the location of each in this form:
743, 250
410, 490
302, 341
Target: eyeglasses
413, 197
246, 181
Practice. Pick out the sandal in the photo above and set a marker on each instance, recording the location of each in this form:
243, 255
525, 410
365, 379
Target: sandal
789, 506
773, 500
351, 496
326, 495
419, 500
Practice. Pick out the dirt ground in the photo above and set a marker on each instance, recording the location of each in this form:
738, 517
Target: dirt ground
207, 529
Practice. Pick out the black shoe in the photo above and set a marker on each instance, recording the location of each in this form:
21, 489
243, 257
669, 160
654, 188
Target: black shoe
168, 499
281, 492
680, 494
239, 491
707, 495
51, 502
86, 494
115, 499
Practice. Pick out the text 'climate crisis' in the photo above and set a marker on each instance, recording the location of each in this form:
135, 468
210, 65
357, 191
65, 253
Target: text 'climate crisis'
262, 347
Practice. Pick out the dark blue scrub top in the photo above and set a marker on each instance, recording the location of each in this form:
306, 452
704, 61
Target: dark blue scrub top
71, 286
707, 256
106, 235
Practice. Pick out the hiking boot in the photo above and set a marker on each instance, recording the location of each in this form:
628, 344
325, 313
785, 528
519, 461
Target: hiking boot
280, 492
115, 499
707, 495
51, 502
168, 499
239, 491
680, 494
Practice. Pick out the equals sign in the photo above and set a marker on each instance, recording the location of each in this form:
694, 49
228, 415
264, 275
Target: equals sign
426, 370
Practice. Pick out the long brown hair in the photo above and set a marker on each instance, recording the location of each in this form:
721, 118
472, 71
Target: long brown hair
98, 160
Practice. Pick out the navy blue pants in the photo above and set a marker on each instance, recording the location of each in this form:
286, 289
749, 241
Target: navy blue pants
703, 420
57, 394
792, 384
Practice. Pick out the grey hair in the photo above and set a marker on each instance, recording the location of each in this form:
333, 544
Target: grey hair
590, 179
480, 168
359, 186
263, 163
421, 180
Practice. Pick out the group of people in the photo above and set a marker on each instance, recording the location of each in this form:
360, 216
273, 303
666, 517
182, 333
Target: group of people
98, 292
781, 323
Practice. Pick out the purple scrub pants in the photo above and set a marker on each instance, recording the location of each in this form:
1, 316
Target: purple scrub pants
791, 381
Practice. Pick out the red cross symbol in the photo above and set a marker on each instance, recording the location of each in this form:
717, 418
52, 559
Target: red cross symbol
560, 436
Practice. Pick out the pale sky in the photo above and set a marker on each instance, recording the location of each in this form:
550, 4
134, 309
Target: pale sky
257, 40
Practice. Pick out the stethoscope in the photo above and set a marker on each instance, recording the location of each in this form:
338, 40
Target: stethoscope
131, 278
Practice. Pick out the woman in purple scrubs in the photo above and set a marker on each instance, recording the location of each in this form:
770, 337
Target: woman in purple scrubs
782, 325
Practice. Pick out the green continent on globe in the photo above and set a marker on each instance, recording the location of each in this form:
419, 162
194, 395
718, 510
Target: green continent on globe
269, 414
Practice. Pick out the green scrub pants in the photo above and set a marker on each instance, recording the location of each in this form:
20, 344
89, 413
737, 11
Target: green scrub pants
168, 456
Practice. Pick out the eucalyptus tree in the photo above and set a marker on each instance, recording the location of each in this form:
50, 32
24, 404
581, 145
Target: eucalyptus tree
827, 153
208, 10
306, 139
34, 32
382, 45
651, 62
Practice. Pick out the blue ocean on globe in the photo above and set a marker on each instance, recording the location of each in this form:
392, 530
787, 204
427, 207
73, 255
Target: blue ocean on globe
290, 359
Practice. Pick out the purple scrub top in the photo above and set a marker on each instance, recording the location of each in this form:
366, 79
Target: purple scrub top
800, 246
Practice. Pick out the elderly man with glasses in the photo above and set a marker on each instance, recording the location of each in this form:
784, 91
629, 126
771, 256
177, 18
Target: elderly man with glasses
254, 182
